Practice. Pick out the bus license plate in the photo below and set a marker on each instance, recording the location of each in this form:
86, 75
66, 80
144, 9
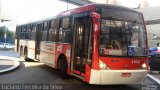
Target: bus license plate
126, 75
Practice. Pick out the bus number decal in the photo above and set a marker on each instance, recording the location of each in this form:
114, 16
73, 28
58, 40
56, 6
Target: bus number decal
135, 61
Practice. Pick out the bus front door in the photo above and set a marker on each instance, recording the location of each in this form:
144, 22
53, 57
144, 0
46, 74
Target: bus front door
81, 43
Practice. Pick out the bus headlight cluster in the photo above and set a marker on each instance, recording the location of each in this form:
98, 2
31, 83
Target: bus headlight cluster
102, 65
144, 66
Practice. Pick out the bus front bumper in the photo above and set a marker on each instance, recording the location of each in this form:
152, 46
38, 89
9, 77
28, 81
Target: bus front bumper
107, 77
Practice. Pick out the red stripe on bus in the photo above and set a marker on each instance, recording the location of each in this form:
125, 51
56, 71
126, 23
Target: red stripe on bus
78, 72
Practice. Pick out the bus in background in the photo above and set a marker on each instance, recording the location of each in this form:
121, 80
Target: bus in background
100, 44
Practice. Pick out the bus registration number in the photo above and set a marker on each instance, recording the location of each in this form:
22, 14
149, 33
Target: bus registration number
136, 61
126, 75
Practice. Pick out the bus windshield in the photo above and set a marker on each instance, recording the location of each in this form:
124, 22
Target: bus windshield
122, 38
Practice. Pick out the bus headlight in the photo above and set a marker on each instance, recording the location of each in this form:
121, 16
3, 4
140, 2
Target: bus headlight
144, 66
102, 65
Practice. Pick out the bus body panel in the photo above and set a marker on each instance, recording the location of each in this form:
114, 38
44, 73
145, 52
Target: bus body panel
31, 49
50, 52
82, 9
63, 49
30, 45
123, 63
88, 73
108, 77
47, 53
16, 45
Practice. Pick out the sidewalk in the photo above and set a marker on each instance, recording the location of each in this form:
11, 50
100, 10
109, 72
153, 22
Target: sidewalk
8, 63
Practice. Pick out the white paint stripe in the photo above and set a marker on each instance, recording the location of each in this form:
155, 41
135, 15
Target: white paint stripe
11, 68
15, 60
157, 80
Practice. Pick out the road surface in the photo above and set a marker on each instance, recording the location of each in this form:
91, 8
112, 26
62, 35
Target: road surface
35, 75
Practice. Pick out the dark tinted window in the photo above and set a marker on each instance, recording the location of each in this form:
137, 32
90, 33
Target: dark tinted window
64, 22
33, 32
18, 30
65, 31
53, 30
24, 32
65, 36
44, 31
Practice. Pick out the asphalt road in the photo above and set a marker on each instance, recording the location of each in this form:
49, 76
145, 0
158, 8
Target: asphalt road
35, 75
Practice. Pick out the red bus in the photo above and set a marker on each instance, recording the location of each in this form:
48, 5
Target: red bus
100, 44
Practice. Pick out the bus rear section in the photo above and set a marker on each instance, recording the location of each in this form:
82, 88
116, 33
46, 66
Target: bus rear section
119, 47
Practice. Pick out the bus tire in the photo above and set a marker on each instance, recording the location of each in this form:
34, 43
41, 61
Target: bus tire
26, 55
63, 67
21, 52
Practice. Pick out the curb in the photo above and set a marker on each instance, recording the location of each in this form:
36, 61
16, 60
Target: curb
16, 63
155, 79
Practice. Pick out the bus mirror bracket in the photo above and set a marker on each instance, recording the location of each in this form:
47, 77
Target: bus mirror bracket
96, 22
94, 15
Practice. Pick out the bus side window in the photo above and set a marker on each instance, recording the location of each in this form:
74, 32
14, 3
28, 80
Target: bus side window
52, 33
64, 30
33, 32
17, 31
28, 33
21, 34
44, 31
20, 30
24, 32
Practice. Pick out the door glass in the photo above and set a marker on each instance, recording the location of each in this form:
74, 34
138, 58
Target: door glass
81, 43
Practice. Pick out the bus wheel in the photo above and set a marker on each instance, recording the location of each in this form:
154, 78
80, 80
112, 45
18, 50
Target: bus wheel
63, 67
26, 55
21, 50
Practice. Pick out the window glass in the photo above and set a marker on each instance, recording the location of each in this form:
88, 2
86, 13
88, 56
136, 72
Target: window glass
53, 31
122, 38
52, 35
45, 26
65, 23
65, 31
66, 36
44, 31
33, 32
54, 24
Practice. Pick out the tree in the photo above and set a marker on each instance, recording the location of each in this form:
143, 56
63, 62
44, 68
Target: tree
10, 35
